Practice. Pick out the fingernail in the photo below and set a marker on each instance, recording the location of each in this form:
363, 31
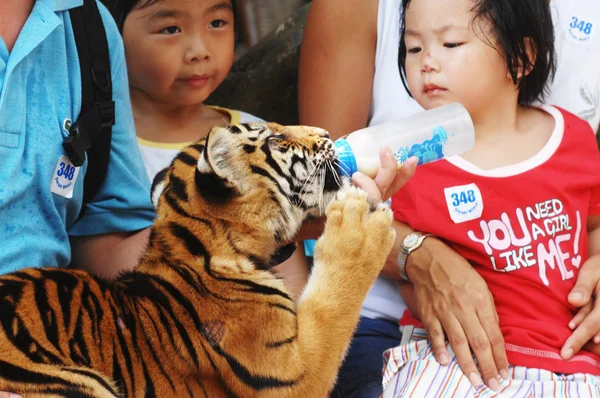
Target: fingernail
567, 353
571, 325
504, 374
475, 379
493, 384
444, 359
577, 296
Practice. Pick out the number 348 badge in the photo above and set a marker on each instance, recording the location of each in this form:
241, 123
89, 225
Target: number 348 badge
464, 203
64, 177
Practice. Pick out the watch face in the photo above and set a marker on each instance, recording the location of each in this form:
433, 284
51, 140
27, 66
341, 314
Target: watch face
410, 240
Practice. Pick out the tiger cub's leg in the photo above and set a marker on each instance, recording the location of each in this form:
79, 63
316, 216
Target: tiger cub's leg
348, 257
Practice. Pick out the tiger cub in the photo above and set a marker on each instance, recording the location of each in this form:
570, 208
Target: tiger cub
201, 315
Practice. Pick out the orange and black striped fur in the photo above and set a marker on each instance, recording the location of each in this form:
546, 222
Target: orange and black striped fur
201, 316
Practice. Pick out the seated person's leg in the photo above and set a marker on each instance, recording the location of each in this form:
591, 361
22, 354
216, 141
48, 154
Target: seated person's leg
360, 374
412, 370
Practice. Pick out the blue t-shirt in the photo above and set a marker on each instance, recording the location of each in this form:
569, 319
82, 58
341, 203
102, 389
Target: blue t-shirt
40, 93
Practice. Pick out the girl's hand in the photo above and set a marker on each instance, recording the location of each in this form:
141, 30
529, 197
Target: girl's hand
586, 324
389, 178
453, 298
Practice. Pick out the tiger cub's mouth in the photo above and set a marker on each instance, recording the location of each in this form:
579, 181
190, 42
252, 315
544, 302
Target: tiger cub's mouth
329, 178
334, 177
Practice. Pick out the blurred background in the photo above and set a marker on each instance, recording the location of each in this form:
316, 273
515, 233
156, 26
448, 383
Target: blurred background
263, 79
259, 17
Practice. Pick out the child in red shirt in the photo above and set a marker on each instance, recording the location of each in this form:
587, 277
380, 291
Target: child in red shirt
521, 206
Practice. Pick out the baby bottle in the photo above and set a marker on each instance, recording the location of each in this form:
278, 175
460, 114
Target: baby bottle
430, 135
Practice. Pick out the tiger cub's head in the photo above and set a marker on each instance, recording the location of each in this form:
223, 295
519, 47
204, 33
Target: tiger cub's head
262, 177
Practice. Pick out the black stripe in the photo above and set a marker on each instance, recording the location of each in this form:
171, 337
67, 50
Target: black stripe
46, 312
158, 178
150, 391
213, 188
147, 288
225, 386
117, 372
24, 341
94, 376
177, 209
77, 347
262, 289
249, 148
277, 344
139, 307
192, 243
191, 278
260, 171
66, 284
139, 286
187, 158
259, 263
257, 382
235, 129
271, 162
129, 376
178, 187
128, 317
94, 303
191, 311
283, 307
15, 373
294, 160
198, 147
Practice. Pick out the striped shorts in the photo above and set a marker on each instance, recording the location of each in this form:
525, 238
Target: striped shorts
411, 370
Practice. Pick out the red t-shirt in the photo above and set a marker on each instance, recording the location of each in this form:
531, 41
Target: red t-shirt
523, 228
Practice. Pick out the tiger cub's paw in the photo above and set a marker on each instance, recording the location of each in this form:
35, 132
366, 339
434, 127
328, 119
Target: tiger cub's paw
356, 233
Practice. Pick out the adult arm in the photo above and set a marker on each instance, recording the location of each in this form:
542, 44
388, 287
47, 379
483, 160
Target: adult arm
337, 65
585, 293
337, 34
109, 254
453, 302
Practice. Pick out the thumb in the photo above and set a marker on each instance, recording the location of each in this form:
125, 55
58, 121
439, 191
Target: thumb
368, 185
587, 281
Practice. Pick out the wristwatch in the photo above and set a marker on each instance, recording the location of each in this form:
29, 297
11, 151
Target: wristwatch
410, 243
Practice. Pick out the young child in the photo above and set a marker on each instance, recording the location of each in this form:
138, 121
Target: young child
523, 206
177, 52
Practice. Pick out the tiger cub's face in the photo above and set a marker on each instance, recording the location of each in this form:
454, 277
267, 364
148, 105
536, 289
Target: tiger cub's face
257, 173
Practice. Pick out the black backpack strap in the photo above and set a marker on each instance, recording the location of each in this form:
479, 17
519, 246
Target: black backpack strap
92, 131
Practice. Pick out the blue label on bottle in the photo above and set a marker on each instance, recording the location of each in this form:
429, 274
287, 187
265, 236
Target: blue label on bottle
428, 150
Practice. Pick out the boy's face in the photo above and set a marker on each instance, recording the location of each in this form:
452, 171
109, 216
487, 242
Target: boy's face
179, 51
451, 58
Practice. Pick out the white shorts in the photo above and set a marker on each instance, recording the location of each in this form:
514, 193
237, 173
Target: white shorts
412, 371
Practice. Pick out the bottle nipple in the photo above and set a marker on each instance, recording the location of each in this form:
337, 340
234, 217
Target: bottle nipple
346, 159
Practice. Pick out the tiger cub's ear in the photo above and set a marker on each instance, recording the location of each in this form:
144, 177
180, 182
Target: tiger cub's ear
221, 159
158, 185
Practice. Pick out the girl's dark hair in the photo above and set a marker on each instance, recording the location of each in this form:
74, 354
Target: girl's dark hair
120, 9
518, 25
